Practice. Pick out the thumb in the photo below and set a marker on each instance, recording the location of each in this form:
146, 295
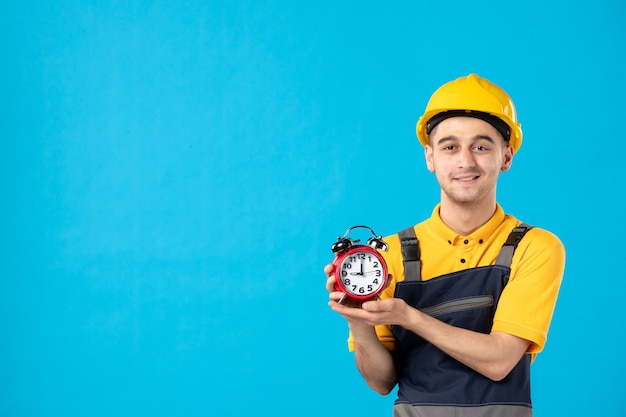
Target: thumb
371, 305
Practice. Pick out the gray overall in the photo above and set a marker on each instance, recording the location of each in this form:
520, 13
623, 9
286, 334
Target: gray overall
431, 383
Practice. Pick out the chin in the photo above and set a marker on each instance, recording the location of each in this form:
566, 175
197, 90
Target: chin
466, 200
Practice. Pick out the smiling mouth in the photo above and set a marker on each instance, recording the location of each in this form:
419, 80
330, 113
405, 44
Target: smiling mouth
468, 178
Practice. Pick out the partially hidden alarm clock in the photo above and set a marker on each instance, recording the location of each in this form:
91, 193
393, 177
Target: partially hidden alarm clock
360, 270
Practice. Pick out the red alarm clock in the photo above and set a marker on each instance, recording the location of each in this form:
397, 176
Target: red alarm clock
360, 270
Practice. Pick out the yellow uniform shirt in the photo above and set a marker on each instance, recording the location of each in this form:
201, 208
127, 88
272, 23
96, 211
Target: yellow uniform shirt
528, 300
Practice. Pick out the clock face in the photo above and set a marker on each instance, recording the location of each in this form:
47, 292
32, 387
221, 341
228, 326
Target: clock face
361, 273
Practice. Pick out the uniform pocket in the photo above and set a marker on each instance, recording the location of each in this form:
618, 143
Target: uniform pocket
461, 304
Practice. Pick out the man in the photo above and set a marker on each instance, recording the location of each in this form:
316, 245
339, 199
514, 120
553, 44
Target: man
472, 289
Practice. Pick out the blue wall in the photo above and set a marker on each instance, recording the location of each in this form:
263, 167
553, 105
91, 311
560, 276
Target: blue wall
172, 177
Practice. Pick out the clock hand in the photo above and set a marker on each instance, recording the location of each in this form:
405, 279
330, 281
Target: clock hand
358, 273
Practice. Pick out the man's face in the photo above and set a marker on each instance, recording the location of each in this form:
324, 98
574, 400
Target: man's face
467, 154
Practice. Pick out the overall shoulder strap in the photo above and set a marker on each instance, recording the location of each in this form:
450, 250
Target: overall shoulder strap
506, 253
410, 254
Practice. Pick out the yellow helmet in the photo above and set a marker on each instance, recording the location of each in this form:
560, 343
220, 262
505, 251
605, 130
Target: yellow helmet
474, 97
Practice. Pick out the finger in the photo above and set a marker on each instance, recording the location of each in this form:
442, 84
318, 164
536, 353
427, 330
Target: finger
338, 307
330, 283
376, 305
349, 311
335, 296
330, 277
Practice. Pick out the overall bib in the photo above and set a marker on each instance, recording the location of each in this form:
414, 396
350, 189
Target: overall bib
431, 383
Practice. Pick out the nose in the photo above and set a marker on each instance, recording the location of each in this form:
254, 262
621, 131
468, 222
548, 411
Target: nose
465, 158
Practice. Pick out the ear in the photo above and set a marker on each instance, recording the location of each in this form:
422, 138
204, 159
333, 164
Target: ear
507, 160
428, 154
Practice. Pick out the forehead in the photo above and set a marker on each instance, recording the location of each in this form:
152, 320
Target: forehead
465, 128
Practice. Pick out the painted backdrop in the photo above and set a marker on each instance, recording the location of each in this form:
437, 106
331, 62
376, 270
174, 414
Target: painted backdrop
172, 175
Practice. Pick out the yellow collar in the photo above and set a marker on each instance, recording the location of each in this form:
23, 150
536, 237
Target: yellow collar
482, 234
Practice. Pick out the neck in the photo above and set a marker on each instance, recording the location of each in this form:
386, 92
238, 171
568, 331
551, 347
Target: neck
465, 218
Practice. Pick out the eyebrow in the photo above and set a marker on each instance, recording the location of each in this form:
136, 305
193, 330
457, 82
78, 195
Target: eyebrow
455, 138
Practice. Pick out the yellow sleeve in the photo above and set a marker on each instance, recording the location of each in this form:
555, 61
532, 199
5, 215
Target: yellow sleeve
528, 300
384, 335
